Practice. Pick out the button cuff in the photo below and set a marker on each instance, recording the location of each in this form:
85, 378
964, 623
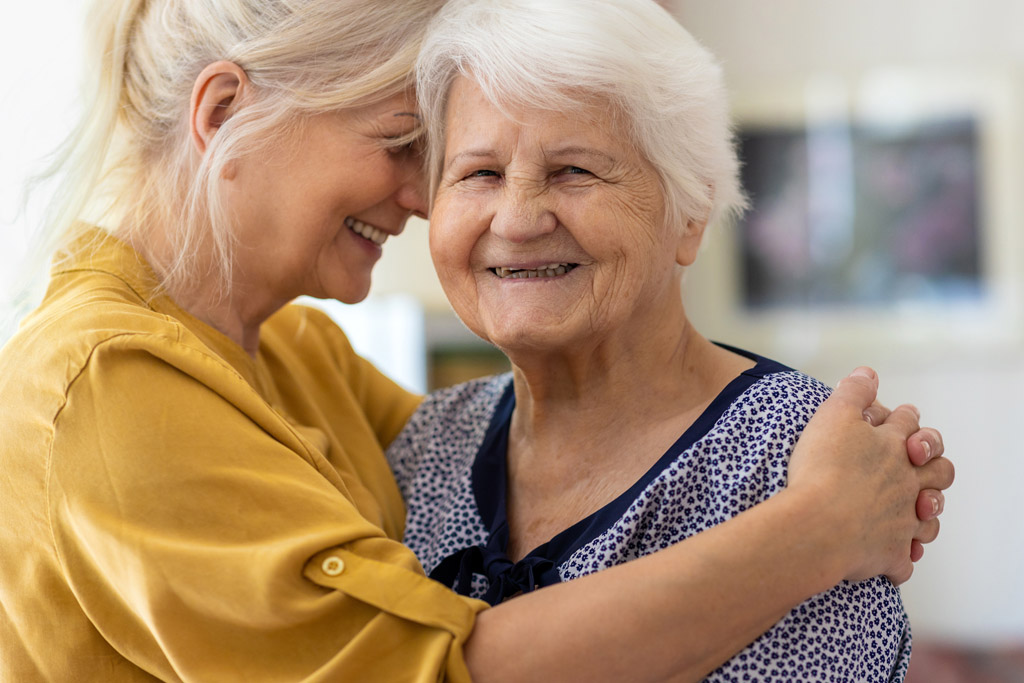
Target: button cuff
333, 565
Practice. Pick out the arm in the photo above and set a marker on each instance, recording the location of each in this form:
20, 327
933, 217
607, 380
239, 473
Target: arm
185, 511
307, 337
678, 614
186, 519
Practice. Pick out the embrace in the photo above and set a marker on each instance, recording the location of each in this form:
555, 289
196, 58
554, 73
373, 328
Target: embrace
203, 482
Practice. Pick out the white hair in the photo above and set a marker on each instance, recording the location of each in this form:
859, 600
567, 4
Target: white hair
130, 165
570, 55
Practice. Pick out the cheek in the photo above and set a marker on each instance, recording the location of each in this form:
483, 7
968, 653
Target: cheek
440, 249
451, 238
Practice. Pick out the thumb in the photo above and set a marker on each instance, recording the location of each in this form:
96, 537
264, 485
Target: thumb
855, 393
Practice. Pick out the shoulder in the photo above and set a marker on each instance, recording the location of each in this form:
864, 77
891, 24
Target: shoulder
743, 456
460, 408
307, 333
99, 317
751, 440
778, 398
447, 428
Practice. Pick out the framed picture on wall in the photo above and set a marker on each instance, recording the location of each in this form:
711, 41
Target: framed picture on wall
885, 208
848, 213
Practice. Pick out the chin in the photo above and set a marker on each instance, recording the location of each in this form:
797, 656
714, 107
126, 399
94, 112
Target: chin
518, 337
349, 293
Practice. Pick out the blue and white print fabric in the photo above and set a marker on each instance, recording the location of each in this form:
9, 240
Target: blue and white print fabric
450, 465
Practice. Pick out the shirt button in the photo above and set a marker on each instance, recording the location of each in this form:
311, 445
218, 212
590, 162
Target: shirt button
333, 565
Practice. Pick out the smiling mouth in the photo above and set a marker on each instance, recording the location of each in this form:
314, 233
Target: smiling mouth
375, 235
550, 270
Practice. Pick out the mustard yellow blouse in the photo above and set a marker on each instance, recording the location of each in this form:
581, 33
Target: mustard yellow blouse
173, 509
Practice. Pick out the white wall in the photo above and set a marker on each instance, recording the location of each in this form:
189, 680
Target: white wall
40, 47
40, 53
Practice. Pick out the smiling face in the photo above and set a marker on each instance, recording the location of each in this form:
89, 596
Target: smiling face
312, 212
548, 231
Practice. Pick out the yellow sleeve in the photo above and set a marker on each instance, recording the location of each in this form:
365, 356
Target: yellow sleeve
206, 542
387, 405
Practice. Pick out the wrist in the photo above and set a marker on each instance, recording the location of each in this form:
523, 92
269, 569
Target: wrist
820, 537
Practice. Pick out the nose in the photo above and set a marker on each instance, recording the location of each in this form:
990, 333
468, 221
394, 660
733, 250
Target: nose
412, 193
521, 215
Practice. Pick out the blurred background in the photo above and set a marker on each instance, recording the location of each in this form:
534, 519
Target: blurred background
883, 143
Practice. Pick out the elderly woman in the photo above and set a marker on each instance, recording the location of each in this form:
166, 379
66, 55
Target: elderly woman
579, 149
194, 487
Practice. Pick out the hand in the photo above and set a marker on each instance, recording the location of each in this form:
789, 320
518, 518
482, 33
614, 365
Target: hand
922, 446
871, 482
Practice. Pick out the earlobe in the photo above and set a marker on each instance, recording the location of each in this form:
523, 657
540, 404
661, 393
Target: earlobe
215, 97
689, 242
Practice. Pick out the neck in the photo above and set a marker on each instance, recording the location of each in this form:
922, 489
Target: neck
587, 425
566, 397
227, 317
603, 391
237, 315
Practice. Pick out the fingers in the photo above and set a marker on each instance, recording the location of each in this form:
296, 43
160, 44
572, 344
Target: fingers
924, 445
876, 413
857, 390
905, 419
902, 573
916, 550
927, 531
930, 504
937, 473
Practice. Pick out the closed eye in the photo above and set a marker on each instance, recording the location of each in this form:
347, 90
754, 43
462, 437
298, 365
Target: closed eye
483, 173
400, 149
402, 144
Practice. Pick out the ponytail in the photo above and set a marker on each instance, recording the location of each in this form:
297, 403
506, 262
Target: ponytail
130, 167
74, 174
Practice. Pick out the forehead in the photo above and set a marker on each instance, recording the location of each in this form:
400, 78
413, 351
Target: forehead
402, 104
472, 118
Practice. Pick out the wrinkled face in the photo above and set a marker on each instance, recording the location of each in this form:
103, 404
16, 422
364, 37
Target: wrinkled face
548, 231
312, 213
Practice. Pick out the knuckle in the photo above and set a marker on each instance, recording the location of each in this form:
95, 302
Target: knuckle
903, 574
947, 472
935, 440
928, 531
910, 413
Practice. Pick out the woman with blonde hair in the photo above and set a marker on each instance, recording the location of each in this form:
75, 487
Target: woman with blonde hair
193, 482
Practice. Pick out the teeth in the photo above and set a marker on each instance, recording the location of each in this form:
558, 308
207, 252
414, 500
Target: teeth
366, 230
550, 270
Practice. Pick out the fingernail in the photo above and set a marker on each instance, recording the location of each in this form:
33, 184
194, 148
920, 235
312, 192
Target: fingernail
935, 505
864, 372
867, 418
927, 450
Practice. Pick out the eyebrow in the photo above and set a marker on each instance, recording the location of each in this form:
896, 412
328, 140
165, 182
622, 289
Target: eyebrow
471, 154
409, 113
576, 150
557, 153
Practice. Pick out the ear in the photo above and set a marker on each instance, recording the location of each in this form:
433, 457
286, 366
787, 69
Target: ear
689, 242
215, 97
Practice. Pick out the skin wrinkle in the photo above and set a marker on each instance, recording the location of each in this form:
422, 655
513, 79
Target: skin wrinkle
529, 184
612, 327
293, 195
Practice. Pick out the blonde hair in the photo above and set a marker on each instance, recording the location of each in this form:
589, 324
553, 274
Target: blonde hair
130, 165
569, 55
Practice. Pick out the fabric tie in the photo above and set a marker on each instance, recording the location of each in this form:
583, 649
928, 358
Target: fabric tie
505, 577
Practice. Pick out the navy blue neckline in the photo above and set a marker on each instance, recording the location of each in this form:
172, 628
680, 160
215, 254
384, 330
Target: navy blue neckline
490, 489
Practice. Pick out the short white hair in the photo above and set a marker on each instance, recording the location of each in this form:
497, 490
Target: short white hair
567, 55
